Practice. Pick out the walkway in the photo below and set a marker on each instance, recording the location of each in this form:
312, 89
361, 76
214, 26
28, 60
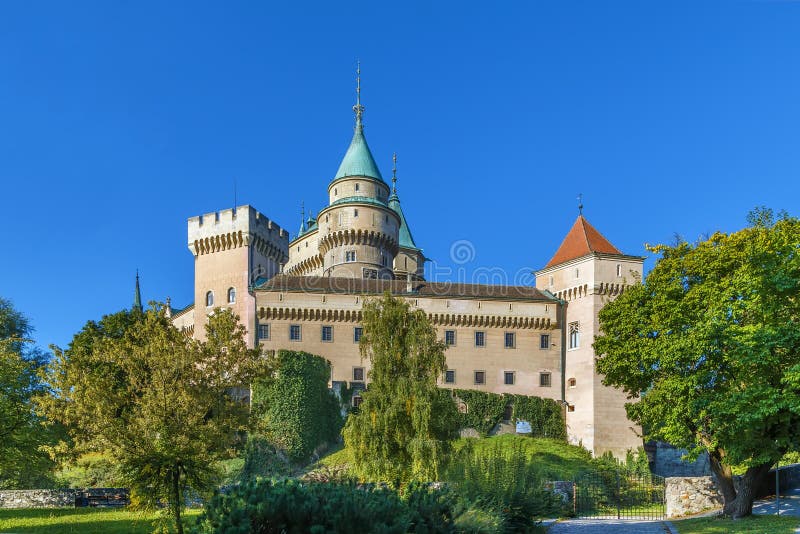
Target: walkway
789, 504
608, 526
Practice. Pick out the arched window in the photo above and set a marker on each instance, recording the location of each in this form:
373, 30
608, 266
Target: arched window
210, 298
231, 295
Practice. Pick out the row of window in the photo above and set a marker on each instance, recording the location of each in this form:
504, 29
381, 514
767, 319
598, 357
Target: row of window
296, 333
509, 339
479, 377
231, 297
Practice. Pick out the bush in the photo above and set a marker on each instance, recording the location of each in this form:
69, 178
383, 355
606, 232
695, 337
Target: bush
501, 480
485, 410
91, 470
291, 506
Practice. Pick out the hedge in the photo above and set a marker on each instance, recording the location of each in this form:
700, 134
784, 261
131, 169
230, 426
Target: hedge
485, 410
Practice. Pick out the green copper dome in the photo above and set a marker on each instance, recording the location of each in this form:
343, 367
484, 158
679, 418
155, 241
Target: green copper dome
358, 160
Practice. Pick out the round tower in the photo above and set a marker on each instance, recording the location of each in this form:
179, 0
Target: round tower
358, 231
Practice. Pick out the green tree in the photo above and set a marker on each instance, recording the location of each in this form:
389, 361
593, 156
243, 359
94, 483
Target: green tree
711, 341
405, 424
162, 404
293, 408
22, 432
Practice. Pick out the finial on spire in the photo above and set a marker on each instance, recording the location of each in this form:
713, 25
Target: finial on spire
580, 203
137, 295
358, 108
302, 218
394, 173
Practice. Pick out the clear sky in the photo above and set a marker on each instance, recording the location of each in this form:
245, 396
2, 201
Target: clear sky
119, 120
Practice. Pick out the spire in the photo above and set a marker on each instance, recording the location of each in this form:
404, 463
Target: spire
394, 173
137, 296
302, 219
358, 160
580, 203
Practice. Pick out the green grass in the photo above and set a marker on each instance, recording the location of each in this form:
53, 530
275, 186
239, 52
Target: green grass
80, 521
757, 524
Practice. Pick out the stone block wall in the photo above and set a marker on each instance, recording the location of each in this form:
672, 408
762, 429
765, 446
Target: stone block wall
667, 461
691, 495
52, 498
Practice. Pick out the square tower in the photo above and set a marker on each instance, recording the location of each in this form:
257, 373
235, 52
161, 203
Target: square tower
585, 273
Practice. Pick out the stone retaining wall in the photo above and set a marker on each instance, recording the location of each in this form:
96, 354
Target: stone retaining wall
52, 498
690, 495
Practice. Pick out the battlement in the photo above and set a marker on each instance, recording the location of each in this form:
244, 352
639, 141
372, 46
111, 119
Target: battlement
234, 227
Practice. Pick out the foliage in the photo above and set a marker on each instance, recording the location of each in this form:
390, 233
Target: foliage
636, 462
90, 470
158, 401
545, 415
74, 520
293, 408
757, 524
291, 506
405, 424
711, 341
485, 410
501, 478
262, 459
22, 432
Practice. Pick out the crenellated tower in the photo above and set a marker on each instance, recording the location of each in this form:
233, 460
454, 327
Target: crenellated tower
232, 249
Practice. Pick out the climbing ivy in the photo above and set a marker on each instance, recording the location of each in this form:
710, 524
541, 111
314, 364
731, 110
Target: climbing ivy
294, 410
485, 410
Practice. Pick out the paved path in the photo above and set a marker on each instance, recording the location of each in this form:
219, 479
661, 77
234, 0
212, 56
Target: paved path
608, 526
789, 504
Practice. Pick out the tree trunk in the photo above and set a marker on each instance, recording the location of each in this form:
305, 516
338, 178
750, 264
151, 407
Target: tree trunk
176, 499
737, 502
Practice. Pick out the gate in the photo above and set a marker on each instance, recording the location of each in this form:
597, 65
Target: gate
619, 494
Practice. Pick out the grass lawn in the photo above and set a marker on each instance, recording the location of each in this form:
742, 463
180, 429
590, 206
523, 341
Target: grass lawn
756, 524
80, 521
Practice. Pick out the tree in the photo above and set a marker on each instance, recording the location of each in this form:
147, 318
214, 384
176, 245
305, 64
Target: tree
404, 426
711, 340
293, 407
162, 404
22, 432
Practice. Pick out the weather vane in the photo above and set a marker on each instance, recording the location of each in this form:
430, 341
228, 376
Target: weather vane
394, 172
580, 203
358, 108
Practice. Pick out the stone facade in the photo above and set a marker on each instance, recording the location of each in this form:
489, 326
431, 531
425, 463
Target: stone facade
691, 495
53, 498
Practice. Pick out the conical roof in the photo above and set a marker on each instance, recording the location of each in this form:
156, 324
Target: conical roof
358, 160
404, 234
582, 239
137, 295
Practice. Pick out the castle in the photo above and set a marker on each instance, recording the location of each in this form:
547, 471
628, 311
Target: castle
306, 292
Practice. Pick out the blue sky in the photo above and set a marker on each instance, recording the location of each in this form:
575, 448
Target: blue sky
119, 120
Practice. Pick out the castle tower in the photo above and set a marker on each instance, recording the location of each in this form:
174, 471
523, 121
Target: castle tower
410, 261
358, 231
586, 272
232, 249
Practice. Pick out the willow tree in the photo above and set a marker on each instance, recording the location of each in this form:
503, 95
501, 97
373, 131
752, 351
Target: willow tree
160, 403
404, 426
711, 341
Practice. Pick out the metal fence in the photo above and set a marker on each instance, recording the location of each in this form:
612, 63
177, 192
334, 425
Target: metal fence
619, 494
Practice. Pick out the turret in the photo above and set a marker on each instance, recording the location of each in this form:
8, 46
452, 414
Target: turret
410, 261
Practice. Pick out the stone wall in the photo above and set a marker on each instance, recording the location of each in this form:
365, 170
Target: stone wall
667, 461
691, 495
788, 477
52, 498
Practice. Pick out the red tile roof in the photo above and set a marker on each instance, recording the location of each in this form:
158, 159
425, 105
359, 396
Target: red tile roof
581, 240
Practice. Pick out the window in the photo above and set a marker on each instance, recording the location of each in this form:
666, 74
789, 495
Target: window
511, 341
572, 382
356, 401
480, 377
210, 298
294, 332
358, 374
350, 256
508, 378
263, 331
449, 337
450, 376
480, 339
545, 380
551, 280
619, 270
570, 407
577, 273
384, 260
544, 341
358, 187
355, 213
327, 333
370, 273
357, 333
231, 295
335, 193
574, 335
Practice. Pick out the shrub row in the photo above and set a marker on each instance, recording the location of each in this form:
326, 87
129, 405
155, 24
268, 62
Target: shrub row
485, 410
